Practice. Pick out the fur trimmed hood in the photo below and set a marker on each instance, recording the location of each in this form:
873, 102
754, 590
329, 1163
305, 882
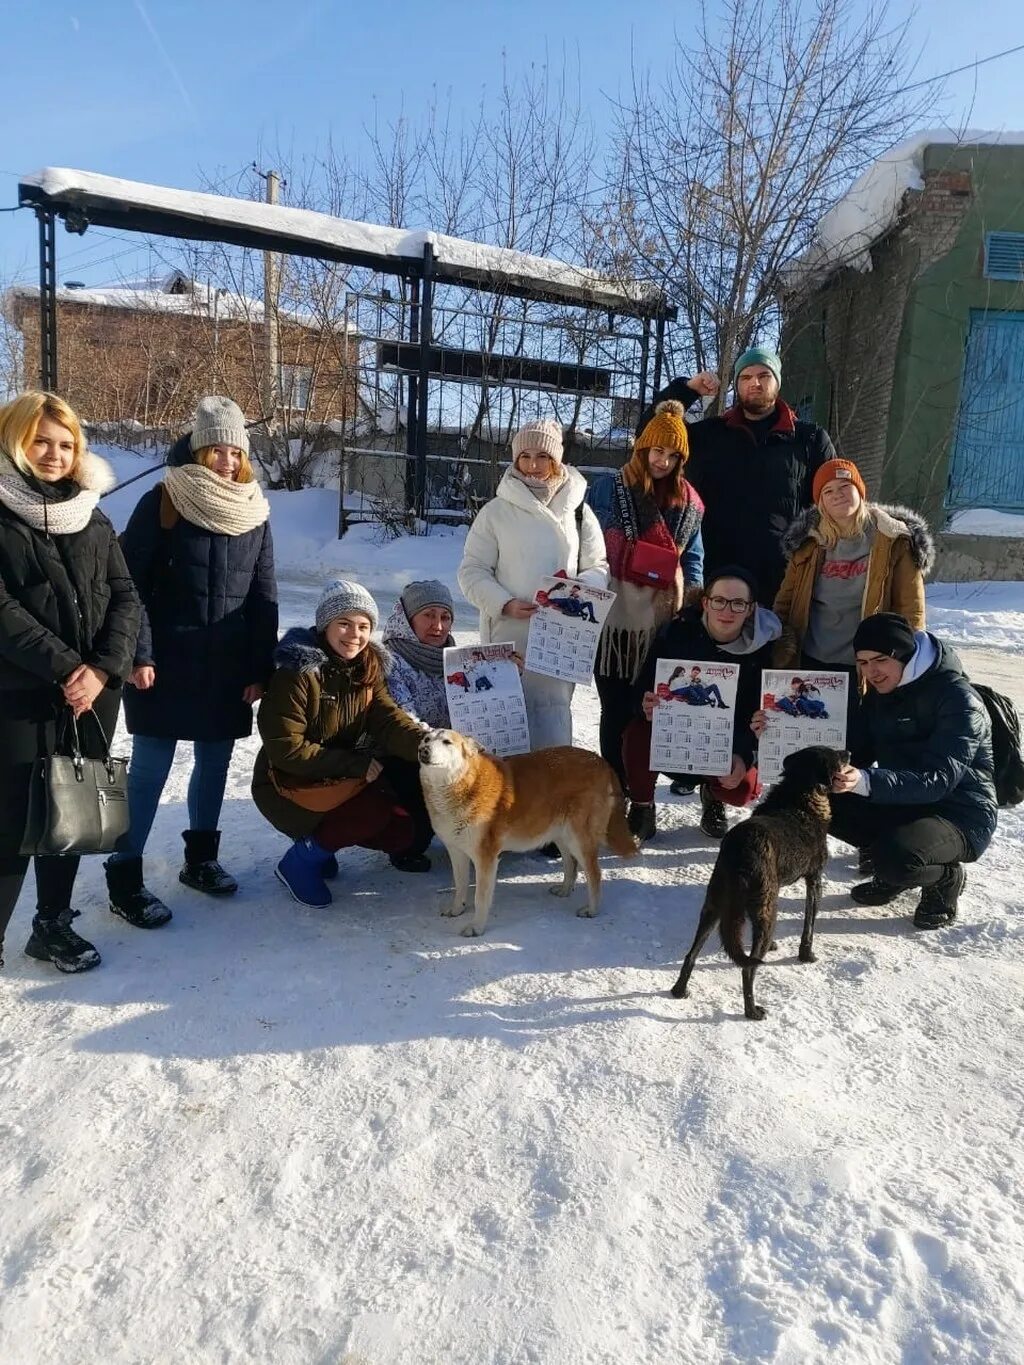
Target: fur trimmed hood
891, 521
95, 474
301, 650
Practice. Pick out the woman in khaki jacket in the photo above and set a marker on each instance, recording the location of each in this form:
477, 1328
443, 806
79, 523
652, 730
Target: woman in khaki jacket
848, 558
327, 774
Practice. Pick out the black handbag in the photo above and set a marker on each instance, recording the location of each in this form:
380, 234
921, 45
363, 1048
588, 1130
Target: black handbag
76, 804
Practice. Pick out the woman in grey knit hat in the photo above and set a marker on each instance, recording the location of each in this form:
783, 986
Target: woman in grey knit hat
415, 637
199, 549
331, 735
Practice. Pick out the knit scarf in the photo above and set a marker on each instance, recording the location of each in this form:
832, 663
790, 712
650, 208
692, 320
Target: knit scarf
638, 612
47, 507
205, 499
542, 489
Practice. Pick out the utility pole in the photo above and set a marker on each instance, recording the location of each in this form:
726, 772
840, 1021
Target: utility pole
271, 292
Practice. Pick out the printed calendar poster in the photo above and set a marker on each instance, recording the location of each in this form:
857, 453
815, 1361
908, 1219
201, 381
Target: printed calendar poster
801, 708
692, 726
564, 633
485, 697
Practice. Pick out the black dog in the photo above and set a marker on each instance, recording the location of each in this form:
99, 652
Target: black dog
782, 841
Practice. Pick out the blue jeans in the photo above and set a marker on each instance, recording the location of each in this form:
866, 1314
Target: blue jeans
147, 775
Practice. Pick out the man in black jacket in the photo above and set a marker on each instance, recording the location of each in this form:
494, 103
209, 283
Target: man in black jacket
726, 627
753, 466
930, 803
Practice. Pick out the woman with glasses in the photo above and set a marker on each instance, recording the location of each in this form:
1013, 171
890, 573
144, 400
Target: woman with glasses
726, 626
535, 526
651, 519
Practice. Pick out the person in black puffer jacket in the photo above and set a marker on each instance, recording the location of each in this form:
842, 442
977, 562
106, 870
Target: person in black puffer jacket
727, 626
200, 551
930, 803
69, 617
753, 466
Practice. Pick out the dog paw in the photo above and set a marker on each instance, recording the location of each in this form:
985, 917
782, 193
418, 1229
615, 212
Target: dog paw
451, 911
681, 992
560, 891
773, 947
471, 931
585, 912
807, 955
756, 1012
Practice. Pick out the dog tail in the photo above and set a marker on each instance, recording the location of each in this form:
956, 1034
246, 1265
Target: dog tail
749, 891
618, 836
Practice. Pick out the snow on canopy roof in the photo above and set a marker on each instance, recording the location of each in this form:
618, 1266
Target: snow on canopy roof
211, 217
871, 206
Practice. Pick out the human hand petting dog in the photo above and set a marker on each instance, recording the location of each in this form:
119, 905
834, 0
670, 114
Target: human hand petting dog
847, 779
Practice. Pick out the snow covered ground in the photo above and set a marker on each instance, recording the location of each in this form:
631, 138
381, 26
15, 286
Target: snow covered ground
355, 1138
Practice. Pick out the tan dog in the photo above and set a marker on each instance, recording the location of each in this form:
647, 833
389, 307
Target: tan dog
481, 805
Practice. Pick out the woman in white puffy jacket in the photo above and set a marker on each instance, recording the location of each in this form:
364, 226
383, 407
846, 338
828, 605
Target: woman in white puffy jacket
537, 524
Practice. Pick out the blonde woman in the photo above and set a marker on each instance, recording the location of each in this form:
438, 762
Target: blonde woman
535, 525
200, 551
69, 616
848, 559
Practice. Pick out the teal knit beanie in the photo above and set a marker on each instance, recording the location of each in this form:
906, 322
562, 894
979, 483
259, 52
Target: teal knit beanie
759, 355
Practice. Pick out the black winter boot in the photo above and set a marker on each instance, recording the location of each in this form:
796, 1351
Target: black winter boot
938, 904
54, 940
684, 786
642, 820
129, 897
202, 871
712, 814
875, 892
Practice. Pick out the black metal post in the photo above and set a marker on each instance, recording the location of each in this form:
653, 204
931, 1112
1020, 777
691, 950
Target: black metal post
426, 338
645, 356
412, 425
47, 300
659, 353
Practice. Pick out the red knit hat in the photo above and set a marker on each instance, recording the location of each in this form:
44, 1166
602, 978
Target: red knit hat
837, 469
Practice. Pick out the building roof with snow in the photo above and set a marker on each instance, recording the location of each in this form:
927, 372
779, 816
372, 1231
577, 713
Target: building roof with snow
83, 197
873, 204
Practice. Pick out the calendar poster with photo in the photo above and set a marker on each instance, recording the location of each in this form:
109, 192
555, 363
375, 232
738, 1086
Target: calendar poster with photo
692, 726
485, 697
801, 708
564, 633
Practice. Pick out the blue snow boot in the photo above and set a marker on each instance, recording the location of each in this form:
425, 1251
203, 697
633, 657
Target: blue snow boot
301, 870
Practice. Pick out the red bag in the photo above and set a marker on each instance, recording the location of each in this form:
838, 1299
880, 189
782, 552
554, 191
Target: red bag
650, 566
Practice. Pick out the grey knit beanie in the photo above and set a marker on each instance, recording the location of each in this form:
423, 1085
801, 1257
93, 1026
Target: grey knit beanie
426, 592
342, 596
218, 421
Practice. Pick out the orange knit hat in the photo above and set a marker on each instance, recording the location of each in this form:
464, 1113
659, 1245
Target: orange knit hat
837, 469
666, 429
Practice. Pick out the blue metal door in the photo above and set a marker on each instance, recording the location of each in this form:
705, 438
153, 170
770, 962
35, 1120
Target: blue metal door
987, 469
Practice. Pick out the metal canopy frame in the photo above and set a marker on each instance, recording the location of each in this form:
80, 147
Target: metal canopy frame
81, 208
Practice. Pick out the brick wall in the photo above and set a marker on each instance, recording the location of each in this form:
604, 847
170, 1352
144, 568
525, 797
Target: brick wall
855, 322
119, 365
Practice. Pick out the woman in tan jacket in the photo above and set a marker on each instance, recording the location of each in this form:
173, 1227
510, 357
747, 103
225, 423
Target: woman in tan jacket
848, 559
327, 774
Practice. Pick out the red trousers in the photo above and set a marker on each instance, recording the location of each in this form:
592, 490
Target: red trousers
636, 757
373, 819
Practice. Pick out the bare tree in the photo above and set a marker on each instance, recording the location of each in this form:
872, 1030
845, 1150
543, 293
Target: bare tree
723, 169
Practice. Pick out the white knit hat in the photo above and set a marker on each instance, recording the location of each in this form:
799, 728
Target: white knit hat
218, 421
542, 434
340, 597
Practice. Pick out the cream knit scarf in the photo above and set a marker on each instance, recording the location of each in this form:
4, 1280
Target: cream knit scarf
56, 515
205, 499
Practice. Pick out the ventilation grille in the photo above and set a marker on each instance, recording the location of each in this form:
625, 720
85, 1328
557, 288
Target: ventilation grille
1004, 255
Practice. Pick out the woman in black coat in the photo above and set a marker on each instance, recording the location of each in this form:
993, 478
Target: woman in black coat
199, 549
69, 616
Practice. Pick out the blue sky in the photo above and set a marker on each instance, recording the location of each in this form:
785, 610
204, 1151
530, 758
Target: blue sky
158, 90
